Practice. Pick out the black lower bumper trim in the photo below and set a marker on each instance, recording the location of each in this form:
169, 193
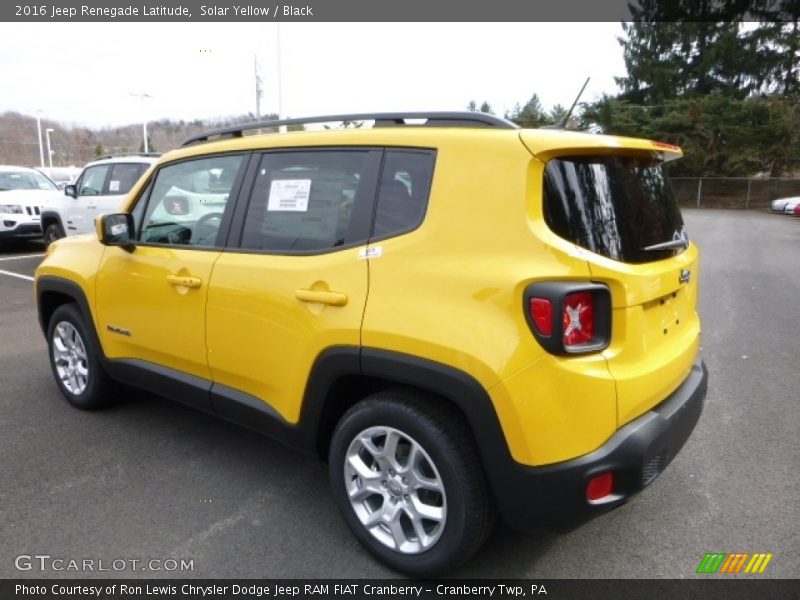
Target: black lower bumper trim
24, 230
555, 495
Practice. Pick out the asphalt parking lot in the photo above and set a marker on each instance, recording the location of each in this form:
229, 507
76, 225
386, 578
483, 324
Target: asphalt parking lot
149, 479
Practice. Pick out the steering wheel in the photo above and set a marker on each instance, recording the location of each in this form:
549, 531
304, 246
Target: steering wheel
203, 221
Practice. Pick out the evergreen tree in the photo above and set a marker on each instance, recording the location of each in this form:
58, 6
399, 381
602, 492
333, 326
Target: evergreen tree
678, 47
776, 43
532, 114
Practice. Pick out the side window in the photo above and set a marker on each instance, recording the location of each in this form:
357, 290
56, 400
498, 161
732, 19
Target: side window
123, 176
303, 201
93, 180
404, 189
187, 200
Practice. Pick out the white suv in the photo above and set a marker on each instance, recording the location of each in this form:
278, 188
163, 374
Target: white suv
101, 188
23, 193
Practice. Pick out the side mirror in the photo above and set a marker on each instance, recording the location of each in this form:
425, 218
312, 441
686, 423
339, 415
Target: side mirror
71, 190
116, 229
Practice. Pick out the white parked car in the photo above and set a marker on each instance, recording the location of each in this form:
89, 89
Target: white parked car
23, 194
788, 208
100, 188
779, 205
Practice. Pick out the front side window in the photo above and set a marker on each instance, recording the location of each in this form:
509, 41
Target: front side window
618, 206
186, 202
123, 178
93, 180
303, 201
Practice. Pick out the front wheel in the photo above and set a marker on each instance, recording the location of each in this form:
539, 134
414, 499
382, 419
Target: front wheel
75, 360
52, 233
409, 483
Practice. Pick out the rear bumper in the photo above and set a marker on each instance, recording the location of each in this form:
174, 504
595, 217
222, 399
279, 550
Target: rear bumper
555, 495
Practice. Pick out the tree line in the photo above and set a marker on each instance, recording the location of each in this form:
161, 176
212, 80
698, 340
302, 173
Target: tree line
75, 145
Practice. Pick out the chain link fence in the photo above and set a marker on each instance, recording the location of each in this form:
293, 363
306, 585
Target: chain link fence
733, 192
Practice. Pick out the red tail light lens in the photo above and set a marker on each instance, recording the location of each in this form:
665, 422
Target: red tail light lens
578, 319
568, 317
542, 315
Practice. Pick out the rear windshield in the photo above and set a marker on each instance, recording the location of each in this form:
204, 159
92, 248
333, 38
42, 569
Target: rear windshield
616, 206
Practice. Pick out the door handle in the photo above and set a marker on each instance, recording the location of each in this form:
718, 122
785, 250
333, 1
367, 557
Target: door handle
184, 281
332, 298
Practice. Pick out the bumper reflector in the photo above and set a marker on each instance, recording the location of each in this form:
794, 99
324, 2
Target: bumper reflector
600, 486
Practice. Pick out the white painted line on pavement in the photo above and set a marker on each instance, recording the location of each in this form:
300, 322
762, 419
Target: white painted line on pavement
10, 274
22, 256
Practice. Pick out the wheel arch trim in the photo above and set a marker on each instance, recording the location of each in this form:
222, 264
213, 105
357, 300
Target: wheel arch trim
445, 381
51, 215
64, 287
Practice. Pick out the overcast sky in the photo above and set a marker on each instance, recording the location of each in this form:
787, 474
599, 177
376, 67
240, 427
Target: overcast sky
84, 73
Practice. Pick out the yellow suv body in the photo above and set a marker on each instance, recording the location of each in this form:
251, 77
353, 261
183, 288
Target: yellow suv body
460, 315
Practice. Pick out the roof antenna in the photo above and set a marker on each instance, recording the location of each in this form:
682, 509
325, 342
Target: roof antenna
562, 124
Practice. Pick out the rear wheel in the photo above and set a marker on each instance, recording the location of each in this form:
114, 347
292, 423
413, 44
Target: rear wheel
75, 360
52, 233
409, 483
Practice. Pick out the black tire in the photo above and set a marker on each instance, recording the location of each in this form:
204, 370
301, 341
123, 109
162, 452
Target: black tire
68, 323
52, 233
443, 435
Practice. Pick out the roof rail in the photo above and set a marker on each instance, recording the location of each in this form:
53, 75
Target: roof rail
150, 154
432, 119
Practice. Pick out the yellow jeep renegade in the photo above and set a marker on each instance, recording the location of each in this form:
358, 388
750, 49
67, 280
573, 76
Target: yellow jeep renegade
464, 318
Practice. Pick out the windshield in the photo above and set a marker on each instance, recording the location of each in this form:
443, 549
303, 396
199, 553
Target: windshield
617, 206
24, 180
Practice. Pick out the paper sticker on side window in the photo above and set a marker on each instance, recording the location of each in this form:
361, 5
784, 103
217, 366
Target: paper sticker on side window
289, 195
113, 186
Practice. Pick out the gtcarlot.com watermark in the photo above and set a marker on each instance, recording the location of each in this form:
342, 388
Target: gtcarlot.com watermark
48, 563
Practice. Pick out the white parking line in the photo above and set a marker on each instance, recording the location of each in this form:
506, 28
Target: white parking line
10, 274
21, 256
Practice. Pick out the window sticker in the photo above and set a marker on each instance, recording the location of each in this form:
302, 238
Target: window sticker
113, 186
289, 195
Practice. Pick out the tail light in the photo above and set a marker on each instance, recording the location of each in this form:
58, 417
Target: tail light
578, 319
569, 318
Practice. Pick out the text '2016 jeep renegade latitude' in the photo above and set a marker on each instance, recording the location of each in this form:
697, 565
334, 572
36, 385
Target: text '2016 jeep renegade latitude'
464, 318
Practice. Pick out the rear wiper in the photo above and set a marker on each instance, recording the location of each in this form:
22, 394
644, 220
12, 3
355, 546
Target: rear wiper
682, 243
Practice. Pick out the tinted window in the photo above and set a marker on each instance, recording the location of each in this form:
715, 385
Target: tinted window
614, 206
93, 180
404, 189
303, 201
123, 177
187, 200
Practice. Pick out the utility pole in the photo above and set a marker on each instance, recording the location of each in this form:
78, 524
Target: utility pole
142, 96
49, 152
282, 128
39, 130
259, 90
